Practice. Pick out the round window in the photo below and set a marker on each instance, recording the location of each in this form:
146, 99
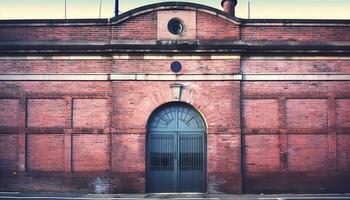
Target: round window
175, 66
175, 26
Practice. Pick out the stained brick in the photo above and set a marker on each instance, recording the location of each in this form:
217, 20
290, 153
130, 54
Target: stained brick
45, 152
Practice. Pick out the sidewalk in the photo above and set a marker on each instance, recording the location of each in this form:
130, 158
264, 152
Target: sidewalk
181, 196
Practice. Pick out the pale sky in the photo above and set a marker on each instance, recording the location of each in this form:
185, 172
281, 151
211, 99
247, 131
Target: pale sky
282, 9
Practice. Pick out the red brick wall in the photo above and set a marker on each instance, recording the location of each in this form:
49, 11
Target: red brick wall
301, 65
260, 113
55, 66
9, 112
50, 89
46, 113
306, 113
128, 153
8, 153
308, 153
342, 113
45, 152
130, 29
343, 152
211, 27
188, 66
91, 152
56, 33
262, 153
305, 142
91, 113
132, 111
294, 33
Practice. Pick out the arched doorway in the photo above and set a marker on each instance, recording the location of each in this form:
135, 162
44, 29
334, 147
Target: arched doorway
176, 149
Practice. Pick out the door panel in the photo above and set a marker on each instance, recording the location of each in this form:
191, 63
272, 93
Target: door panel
191, 163
162, 154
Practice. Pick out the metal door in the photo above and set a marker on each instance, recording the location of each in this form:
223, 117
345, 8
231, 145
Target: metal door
176, 150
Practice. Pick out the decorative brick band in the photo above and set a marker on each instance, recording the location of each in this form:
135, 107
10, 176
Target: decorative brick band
175, 77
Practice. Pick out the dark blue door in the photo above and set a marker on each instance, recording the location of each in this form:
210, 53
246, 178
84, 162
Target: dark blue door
176, 150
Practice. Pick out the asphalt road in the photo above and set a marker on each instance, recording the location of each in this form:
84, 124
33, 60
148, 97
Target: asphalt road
182, 196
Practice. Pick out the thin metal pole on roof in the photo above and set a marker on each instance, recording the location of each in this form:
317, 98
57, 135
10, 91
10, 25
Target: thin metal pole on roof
99, 14
248, 9
65, 9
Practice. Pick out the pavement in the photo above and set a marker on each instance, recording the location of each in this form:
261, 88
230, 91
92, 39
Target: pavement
170, 196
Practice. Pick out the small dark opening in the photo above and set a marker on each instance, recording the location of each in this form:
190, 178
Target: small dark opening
175, 26
176, 67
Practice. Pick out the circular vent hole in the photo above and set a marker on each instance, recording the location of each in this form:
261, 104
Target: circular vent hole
175, 26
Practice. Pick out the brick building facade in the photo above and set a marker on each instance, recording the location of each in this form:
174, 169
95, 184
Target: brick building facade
77, 97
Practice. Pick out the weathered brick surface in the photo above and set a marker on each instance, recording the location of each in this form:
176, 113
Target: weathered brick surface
260, 113
210, 27
296, 66
9, 112
55, 66
133, 111
50, 89
342, 113
292, 136
295, 33
308, 153
91, 152
90, 113
131, 30
306, 113
224, 168
295, 89
343, 152
262, 153
45, 152
46, 113
8, 153
128, 153
56, 33
202, 66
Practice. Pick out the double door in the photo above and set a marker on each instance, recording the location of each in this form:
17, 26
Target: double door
176, 154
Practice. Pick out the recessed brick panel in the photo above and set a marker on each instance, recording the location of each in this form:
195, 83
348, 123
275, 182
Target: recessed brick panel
262, 153
9, 112
342, 113
8, 152
308, 153
306, 113
343, 152
90, 113
91, 152
46, 113
260, 113
45, 152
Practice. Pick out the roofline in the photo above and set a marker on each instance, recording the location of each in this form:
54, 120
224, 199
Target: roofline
177, 6
174, 6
